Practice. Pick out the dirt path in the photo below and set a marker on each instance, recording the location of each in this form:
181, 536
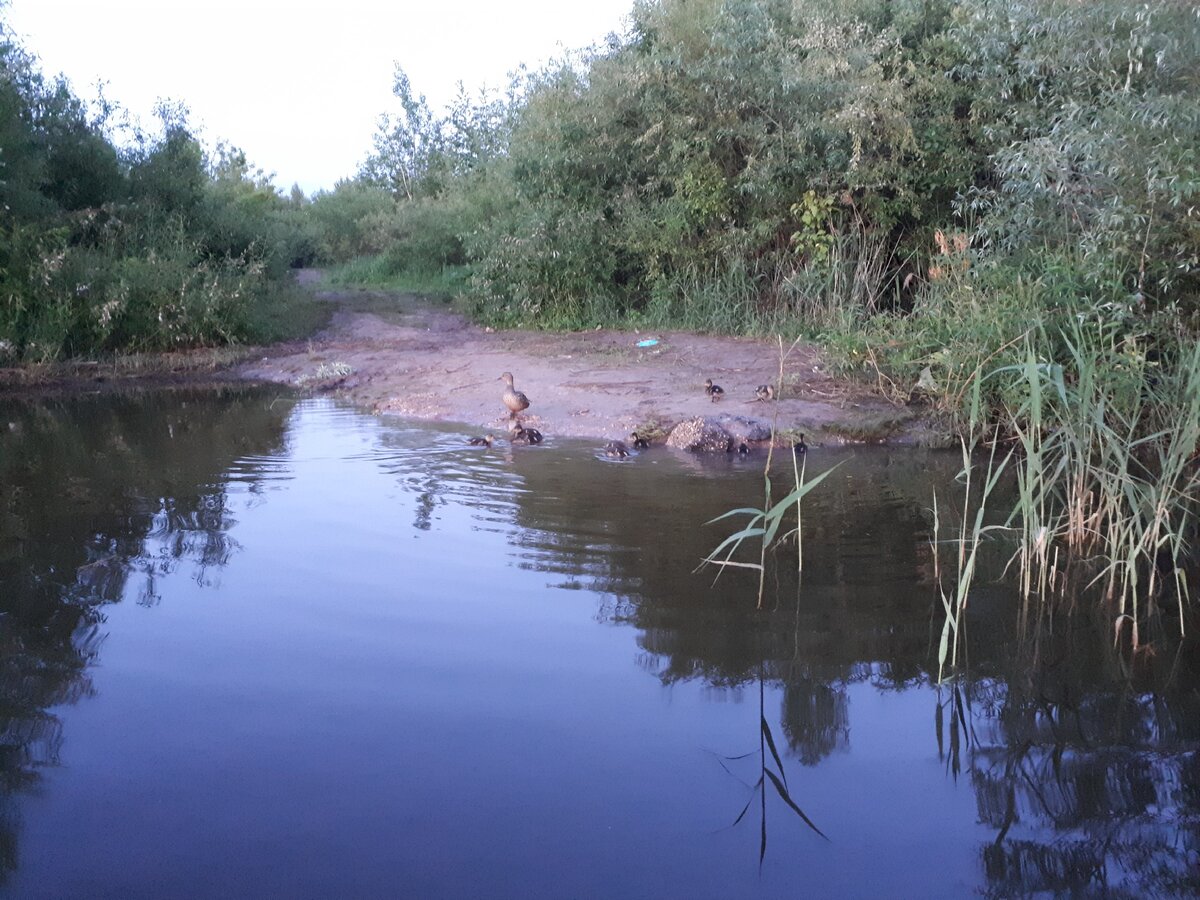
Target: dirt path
408, 358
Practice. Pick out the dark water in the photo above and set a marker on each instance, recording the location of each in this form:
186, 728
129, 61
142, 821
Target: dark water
254, 647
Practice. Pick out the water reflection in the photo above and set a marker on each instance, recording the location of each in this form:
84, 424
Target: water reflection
100, 501
1088, 778
1091, 786
1083, 776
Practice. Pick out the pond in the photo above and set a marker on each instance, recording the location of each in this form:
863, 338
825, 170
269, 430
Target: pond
259, 645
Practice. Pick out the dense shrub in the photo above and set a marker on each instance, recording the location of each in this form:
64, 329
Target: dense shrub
350, 221
729, 144
151, 245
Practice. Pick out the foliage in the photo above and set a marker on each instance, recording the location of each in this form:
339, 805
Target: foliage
148, 245
350, 221
1091, 110
405, 143
379, 272
800, 160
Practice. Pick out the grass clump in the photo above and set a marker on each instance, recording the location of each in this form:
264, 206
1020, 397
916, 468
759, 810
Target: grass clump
1109, 479
379, 272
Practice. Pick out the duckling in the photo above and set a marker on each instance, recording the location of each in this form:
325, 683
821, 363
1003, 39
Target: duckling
616, 449
800, 448
518, 434
639, 442
485, 441
714, 391
764, 392
513, 399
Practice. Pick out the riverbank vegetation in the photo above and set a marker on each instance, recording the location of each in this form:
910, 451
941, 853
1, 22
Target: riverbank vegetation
117, 239
930, 186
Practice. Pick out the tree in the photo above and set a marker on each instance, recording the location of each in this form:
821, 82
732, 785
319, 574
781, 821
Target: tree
405, 143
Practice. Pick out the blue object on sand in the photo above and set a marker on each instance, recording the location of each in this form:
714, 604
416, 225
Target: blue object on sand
648, 342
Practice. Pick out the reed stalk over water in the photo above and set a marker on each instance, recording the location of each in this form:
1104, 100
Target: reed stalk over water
1109, 485
970, 536
1107, 482
765, 523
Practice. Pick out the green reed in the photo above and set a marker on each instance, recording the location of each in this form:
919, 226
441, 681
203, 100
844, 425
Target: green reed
1109, 486
971, 533
764, 524
1107, 481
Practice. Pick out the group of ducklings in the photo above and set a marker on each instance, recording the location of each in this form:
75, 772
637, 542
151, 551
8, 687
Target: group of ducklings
517, 434
762, 393
516, 402
620, 450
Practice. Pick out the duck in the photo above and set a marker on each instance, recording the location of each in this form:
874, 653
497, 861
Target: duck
513, 399
639, 442
800, 448
714, 391
616, 449
485, 441
518, 434
764, 392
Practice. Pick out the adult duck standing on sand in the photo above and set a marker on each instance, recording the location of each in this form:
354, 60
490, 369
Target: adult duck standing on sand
513, 399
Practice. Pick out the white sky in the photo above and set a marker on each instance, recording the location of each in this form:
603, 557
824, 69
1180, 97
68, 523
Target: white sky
297, 84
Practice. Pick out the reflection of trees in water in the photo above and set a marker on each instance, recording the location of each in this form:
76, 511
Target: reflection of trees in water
635, 536
198, 535
816, 718
1091, 786
1091, 780
94, 506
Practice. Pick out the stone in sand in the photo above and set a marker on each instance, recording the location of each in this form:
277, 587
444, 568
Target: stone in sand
744, 428
700, 434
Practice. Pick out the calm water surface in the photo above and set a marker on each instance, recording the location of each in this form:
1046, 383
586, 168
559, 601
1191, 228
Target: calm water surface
252, 646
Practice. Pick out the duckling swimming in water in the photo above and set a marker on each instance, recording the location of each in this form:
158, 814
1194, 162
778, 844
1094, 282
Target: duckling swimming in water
513, 399
639, 442
485, 441
714, 391
518, 434
616, 450
800, 448
764, 392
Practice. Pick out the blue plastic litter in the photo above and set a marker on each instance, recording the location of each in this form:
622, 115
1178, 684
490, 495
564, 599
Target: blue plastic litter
648, 342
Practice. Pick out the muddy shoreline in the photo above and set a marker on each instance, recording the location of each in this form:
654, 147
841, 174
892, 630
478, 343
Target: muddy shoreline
400, 355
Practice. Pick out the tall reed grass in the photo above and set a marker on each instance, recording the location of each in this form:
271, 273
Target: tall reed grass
1105, 449
973, 529
1109, 481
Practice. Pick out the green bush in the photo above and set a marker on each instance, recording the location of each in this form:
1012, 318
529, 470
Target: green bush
347, 221
152, 246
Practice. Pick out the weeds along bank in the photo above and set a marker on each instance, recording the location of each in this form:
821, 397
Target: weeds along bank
145, 243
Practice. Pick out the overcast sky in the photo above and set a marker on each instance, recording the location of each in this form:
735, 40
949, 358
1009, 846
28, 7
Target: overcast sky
298, 85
